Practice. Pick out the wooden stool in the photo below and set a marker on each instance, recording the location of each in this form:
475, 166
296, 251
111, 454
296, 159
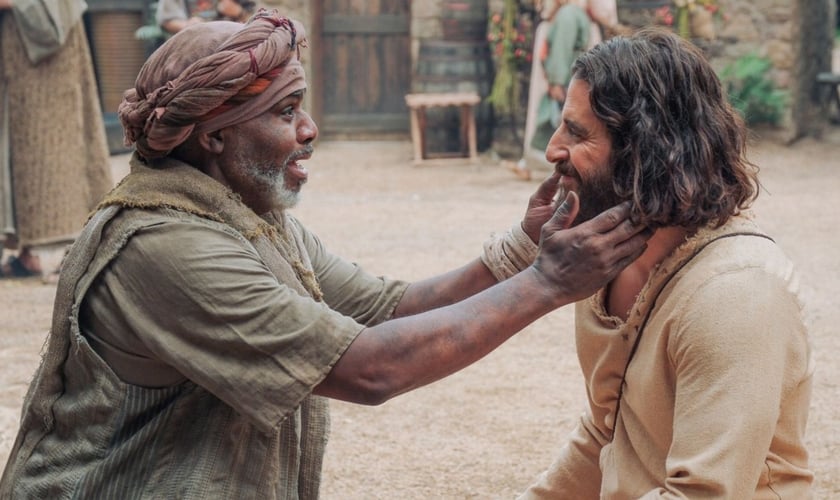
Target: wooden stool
417, 104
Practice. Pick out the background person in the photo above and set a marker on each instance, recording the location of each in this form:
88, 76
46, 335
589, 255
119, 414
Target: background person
54, 159
174, 15
603, 15
565, 40
236, 10
559, 39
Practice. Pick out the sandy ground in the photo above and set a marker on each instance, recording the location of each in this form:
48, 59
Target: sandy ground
488, 430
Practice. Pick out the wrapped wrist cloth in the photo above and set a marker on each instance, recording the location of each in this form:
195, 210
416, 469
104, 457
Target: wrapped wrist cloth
505, 254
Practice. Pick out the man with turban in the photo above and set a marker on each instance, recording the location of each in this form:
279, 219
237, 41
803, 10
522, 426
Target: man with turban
198, 326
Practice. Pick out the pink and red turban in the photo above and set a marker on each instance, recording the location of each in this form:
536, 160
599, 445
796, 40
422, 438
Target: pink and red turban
210, 76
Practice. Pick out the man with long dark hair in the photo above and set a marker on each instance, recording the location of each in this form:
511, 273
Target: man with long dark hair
696, 360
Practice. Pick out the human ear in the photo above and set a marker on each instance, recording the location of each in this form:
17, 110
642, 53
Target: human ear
212, 142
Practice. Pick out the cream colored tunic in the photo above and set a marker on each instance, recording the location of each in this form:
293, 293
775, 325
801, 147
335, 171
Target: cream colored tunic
716, 397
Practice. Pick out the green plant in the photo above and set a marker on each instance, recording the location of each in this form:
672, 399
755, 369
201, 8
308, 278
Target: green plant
510, 40
502, 93
752, 92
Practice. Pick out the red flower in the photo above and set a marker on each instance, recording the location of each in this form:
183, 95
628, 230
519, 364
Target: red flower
664, 15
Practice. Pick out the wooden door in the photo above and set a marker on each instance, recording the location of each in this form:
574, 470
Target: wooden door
361, 66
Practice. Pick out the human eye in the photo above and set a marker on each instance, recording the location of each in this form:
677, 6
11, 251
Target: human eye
285, 109
289, 107
572, 130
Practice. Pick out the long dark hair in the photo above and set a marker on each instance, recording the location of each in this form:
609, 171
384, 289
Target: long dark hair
679, 147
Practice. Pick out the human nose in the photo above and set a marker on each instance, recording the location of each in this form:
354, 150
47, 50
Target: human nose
556, 151
307, 130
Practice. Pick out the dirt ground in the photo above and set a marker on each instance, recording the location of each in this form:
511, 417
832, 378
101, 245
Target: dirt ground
487, 431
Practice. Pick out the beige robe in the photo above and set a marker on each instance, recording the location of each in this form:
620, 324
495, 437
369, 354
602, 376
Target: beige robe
715, 401
57, 164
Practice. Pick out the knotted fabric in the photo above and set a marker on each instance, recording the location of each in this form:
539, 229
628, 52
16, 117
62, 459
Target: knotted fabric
210, 76
508, 253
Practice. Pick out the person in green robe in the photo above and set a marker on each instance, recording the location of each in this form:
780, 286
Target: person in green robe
565, 40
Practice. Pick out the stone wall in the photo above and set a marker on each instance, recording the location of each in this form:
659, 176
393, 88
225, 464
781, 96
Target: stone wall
425, 23
796, 35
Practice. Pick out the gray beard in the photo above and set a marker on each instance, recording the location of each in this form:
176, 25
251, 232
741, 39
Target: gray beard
275, 182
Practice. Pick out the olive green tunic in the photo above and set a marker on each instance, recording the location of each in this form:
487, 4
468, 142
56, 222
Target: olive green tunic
186, 342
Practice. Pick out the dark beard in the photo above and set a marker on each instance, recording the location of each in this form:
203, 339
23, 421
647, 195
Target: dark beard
596, 196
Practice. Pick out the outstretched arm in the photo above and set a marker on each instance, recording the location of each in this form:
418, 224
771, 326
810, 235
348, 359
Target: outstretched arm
405, 353
456, 285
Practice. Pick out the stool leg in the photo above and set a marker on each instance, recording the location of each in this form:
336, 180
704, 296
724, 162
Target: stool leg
471, 134
416, 136
421, 112
464, 130
837, 103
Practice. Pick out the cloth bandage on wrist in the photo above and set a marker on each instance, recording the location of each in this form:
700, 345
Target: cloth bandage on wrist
505, 254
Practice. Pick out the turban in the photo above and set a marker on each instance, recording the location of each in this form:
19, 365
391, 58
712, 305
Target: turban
210, 76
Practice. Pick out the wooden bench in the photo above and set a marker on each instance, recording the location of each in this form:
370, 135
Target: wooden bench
417, 105
832, 81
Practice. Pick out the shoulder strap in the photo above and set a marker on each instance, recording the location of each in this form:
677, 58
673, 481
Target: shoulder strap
643, 324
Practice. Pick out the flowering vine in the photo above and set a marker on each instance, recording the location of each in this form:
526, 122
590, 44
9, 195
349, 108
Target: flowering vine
511, 41
679, 15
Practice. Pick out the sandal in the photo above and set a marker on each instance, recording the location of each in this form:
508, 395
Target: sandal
15, 268
519, 169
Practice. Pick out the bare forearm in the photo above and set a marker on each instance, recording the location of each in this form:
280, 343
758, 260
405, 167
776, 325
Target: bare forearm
445, 289
413, 351
5, 4
475, 277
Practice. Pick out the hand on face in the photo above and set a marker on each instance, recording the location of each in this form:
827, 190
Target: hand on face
578, 261
541, 206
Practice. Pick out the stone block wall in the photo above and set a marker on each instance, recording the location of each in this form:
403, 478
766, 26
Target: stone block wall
796, 35
425, 23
